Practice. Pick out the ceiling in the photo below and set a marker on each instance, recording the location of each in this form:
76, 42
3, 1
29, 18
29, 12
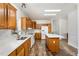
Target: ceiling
36, 10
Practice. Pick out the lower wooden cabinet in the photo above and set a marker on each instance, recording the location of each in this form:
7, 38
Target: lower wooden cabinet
38, 36
23, 49
27, 46
53, 44
13, 53
21, 52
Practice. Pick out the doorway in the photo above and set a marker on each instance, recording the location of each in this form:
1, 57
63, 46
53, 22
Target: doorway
44, 31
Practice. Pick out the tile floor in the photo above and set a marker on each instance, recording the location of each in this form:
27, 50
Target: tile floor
39, 49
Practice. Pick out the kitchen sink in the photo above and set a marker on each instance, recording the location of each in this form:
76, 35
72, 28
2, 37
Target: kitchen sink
22, 38
30, 33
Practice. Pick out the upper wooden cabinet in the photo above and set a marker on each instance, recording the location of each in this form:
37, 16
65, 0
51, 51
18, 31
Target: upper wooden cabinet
3, 18
29, 23
26, 23
23, 23
33, 24
11, 17
7, 16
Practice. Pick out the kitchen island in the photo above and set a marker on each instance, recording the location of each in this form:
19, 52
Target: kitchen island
53, 43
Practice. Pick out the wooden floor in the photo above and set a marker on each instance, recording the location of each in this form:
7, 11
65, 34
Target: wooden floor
39, 49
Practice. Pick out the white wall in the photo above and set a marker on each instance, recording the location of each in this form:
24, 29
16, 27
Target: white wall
55, 25
78, 27
72, 29
19, 14
63, 28
63, 21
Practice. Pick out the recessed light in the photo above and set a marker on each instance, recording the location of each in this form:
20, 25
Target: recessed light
49, 14
57, 10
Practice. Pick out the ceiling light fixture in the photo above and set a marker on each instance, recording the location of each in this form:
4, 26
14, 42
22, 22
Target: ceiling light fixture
49, 14
58, 10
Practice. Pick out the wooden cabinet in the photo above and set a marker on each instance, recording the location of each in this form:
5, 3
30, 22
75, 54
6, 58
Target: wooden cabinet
38, 36
26, 23
23, 23
7, 16
13, 53
53, 45
27, 46
3, 16
49, 28
23, 49
33, 24
26, 49
19, 48
11, 17
20, 51
29, 23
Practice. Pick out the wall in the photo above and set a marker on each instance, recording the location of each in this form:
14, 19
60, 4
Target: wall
72, 29
63, 25
63, 21
19, 14
78, 26
55, 25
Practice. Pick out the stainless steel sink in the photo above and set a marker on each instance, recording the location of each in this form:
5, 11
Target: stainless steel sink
22, 38
30, 33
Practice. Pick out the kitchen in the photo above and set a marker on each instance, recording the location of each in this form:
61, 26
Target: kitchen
24, 31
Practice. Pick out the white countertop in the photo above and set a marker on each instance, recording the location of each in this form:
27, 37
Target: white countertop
9, 44
54, 35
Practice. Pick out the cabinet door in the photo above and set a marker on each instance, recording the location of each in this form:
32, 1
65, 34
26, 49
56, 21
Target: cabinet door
20, 50
13, 53
3, 20
29, 23
26, 48
11, 17
23, 23
21, 53
49, 28
33, 24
